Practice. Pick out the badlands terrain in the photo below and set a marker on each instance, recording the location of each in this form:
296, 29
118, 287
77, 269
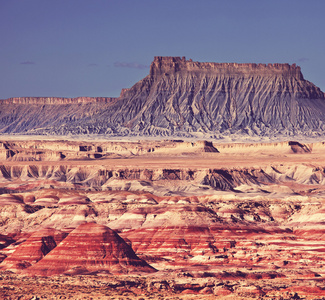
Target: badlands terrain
161, 219
155, 200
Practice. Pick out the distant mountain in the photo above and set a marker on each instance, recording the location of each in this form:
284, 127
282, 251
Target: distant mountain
180, 97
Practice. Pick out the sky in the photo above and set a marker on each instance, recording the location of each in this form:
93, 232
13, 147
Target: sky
73, 48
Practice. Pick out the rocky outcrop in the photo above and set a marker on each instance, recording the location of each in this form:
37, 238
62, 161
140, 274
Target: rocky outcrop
165, 65
180, 97
160, 181
297, 147
46, 150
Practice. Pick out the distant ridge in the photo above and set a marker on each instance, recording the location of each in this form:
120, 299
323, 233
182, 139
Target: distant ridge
166, 64
183, 98
57, 100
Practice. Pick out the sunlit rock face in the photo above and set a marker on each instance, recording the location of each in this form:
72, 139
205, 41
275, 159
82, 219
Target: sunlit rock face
90, 248
180, 97
39, 244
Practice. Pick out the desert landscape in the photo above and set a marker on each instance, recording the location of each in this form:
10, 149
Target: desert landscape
154, 150
162, 219
202, 180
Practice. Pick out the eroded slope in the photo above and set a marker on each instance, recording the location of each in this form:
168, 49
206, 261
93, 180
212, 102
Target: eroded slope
183, 98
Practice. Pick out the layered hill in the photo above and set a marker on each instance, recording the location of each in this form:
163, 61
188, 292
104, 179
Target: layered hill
36, 247
88, 248
180, 97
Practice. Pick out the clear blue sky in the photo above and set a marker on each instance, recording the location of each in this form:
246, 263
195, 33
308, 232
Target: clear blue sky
71, 48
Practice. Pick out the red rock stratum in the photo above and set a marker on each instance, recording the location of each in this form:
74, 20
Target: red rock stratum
90, 248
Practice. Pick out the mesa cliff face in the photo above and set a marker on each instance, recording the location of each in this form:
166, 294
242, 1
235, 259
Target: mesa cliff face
180, 97
163, 65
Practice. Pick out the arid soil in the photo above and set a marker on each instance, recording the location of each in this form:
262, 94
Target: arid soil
161, 220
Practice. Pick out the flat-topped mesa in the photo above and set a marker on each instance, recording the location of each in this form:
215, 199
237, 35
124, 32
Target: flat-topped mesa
57, 100
168, 64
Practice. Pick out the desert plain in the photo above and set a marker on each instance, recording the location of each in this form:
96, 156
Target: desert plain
161, 219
